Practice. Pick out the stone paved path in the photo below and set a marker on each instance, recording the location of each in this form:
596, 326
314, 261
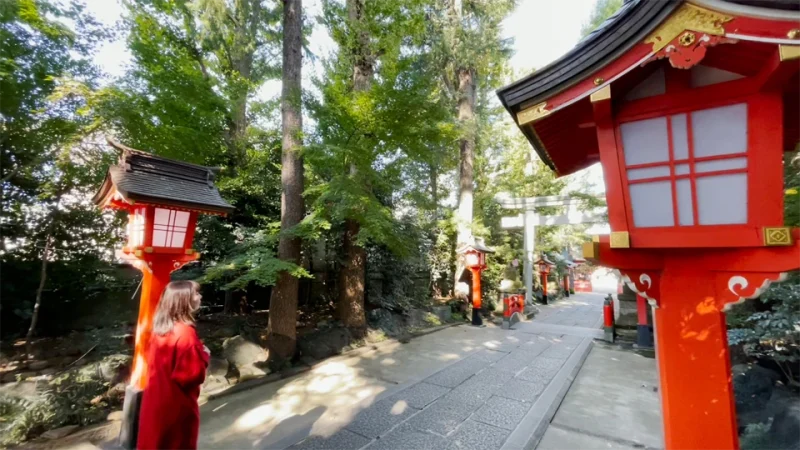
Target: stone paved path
486, 400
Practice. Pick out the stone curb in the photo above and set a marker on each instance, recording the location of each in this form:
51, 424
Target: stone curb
273, 377
529, 432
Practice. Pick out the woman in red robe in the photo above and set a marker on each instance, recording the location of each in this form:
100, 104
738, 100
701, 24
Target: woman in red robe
170, 417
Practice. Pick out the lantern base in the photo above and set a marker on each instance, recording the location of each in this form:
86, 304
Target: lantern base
129, 429
476, 317
644, 336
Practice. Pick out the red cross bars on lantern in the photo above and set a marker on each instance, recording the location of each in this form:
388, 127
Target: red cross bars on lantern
544, 265
474, 259
689, 107
163, 198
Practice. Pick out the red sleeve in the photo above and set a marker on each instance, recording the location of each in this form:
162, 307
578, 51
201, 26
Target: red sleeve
191, 361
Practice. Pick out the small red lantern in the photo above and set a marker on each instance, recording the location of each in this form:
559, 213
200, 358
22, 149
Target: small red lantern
163, 198
544, 266
689, 107
474, 258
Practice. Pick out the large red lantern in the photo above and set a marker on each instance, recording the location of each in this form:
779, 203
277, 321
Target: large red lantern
689, 107
162, 198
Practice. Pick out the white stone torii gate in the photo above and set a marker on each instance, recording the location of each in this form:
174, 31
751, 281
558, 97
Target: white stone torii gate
529, 219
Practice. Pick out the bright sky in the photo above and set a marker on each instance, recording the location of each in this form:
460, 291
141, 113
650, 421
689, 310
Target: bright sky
542, 30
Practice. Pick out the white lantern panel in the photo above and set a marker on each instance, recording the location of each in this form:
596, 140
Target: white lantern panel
651, 86
680, 137
681, 169
177, 239
181, 219
648, 172
169, 228
645, 141
159, 238
136, 226
683, 190
162, 216
722, 199
652, 204
720, 131
721, 164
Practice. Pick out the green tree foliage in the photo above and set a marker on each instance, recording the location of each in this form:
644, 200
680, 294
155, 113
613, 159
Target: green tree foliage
47, 168
190, 94
399, 123
603, 9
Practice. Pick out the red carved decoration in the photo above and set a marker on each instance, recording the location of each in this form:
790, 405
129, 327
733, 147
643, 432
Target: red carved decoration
643, 282
736, 287
689, 48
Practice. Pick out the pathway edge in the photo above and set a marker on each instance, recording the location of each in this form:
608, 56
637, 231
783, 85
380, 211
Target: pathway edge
531, 429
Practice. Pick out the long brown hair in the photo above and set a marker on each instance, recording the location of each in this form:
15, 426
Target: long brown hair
175, 306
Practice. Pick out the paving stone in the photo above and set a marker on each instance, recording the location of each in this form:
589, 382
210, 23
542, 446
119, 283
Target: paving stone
378, 418
442, 417
488, 355
342, 440
533, 348
541, 370
457, 373
572, 340
521, 390
501, 346
472, 395
502, 412
558, 351
514, 362
479, 436
420, 395
490, 377
407, 438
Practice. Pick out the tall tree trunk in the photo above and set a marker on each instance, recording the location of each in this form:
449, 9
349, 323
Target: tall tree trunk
282, 331
242, 54
433, 172
37, 304
467, 85
353, 274
466, 118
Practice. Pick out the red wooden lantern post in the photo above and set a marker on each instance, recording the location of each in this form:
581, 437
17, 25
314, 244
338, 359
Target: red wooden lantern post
474, 258
163, 198
544, 269
689, 108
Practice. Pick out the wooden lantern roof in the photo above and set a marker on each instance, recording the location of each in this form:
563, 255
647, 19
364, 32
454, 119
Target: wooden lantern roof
479, 246
552, 106
141, 177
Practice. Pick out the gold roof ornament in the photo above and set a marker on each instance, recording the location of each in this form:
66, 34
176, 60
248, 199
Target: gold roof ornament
687, 17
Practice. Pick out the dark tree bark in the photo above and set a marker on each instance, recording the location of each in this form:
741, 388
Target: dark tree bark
352, 276
38, 302
282, 330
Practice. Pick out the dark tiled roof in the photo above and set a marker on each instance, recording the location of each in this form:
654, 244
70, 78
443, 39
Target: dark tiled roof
624, 29
789, 5
147, 178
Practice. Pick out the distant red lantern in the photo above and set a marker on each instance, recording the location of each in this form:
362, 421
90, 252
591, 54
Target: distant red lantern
474, 257
544, 266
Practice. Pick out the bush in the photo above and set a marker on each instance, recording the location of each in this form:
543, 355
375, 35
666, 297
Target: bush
755, 437
75, 397
773, 334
